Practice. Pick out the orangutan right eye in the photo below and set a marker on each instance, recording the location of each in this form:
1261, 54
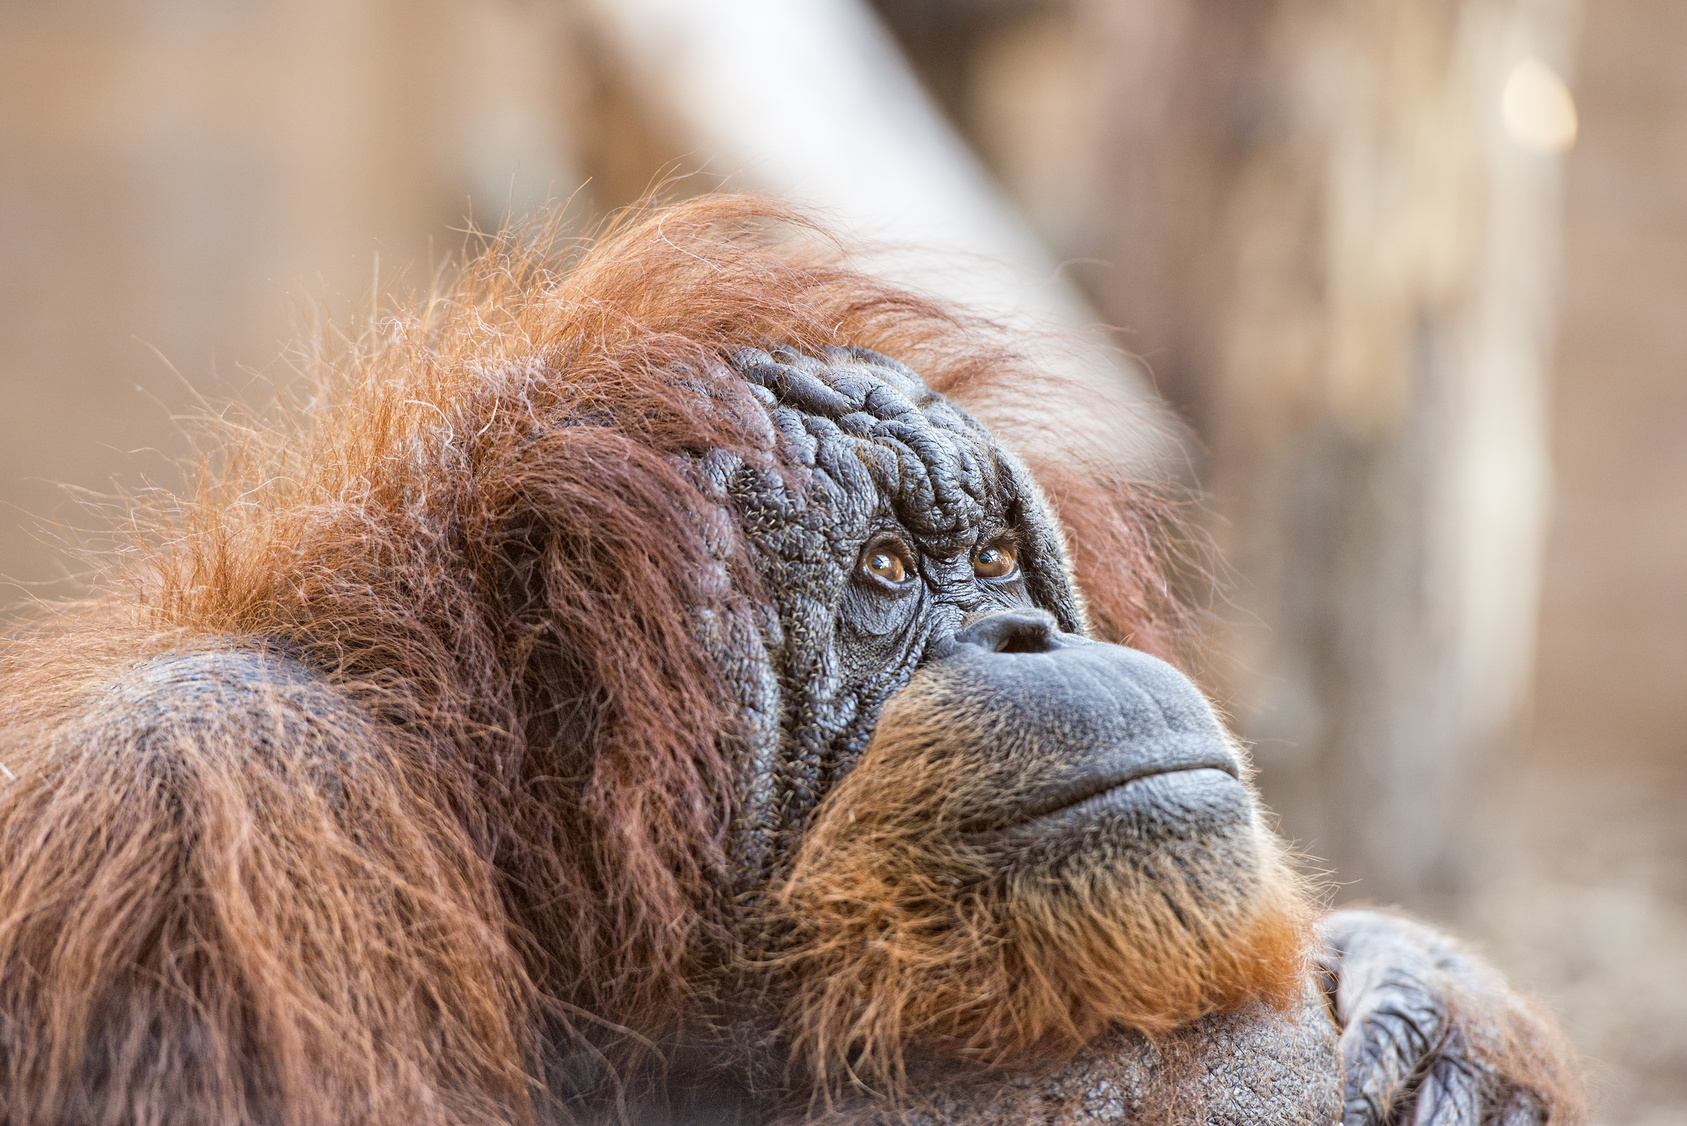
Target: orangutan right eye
887, 561
996, 561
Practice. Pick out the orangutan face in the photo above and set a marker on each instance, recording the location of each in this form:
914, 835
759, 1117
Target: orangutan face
955, 756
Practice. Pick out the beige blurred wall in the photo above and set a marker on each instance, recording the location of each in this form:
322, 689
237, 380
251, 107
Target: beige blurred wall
1613, 663
1585, 890
179, 180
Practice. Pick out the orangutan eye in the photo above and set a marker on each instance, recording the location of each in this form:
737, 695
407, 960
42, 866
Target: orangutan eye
995, 562
886, 562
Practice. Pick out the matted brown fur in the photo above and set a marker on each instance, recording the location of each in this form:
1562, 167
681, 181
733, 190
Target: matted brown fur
476, 534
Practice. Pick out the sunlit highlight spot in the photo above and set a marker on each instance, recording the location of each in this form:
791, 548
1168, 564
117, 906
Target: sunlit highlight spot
1537, 108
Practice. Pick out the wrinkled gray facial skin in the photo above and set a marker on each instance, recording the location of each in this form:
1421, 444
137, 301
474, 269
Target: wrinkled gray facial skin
872, 458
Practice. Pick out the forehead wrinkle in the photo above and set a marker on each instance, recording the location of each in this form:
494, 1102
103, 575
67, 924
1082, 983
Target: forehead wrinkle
908, 484
874, 369
963, 492
932, 463
834, 457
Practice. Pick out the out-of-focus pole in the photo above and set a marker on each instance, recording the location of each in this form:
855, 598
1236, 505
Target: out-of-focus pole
813, 101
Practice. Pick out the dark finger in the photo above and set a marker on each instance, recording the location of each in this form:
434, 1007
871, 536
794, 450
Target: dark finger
1400, 1024
1454, 1090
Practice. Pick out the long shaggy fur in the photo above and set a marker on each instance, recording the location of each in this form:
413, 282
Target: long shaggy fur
907, 932
478, 537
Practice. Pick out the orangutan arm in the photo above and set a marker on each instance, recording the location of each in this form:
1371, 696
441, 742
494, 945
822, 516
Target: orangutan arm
224, 900
1429, 1036
1433, 1035
1262, 1066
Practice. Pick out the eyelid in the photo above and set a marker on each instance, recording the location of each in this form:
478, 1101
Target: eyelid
890, 541
1007, 543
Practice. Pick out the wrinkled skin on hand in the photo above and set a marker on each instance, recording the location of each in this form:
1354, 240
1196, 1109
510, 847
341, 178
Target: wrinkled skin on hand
1431, 1035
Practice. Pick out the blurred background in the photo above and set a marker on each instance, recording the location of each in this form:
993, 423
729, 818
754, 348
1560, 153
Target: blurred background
1412, 272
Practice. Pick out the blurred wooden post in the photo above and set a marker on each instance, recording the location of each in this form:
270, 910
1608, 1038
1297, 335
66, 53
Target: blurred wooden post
814, 102
1339, 260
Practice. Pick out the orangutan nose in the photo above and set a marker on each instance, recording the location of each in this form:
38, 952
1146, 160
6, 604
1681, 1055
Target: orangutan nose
1013, 631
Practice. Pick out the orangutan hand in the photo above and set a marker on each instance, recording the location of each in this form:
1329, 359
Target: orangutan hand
1433, 1036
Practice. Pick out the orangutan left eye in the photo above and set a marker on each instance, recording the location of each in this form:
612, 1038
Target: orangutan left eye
995, 562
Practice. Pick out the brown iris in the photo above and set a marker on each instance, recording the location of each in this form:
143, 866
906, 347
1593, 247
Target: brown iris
995, 561
886, 563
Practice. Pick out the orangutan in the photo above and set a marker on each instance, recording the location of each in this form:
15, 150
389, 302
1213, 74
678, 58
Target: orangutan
638, 689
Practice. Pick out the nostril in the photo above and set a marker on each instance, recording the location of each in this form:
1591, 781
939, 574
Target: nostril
1012, 631
1025, 641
